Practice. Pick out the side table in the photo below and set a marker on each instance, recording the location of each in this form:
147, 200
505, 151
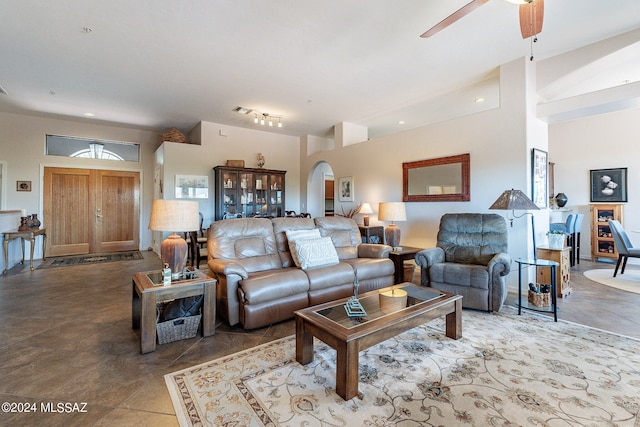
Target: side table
552, 265
563, 258
23, 235
148, 291
399, 256
372, 233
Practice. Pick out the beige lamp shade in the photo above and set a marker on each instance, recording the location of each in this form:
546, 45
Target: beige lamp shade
392, 211
174, 215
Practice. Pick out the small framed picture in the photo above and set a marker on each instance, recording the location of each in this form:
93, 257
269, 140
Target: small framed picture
345, 189
609, 185
23, 185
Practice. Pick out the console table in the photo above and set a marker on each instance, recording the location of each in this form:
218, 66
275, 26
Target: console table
23, 235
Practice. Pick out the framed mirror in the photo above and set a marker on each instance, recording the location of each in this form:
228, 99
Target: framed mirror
445, 179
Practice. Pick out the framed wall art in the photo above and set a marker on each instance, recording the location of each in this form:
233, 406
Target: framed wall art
23, 185
609, 185
192, 187
539, 178
345, 189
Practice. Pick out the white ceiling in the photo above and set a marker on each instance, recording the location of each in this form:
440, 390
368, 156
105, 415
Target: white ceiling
162, 63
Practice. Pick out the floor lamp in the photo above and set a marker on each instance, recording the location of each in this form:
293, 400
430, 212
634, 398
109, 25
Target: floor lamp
174, 215
513, 200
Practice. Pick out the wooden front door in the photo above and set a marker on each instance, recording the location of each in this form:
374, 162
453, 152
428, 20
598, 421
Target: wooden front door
88, 211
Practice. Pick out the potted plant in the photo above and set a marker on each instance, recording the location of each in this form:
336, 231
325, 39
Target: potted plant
556, 239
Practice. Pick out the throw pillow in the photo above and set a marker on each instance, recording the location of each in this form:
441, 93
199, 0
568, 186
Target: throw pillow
293, 235
311, 253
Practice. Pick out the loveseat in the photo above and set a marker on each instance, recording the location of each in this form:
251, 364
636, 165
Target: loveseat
470, 259
259, 282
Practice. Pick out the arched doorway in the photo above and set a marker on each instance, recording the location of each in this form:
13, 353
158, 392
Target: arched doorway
320, 193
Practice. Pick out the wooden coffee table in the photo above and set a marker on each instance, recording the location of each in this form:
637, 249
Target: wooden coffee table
330, 323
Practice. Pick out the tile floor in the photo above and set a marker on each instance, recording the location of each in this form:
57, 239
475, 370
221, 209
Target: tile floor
65, 336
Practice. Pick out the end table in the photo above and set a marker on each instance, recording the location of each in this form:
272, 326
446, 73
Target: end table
372, 233
148, 291
552, 265
399, 256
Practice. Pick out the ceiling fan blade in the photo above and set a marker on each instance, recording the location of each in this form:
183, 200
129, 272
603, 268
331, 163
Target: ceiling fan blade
531, 16
464, 10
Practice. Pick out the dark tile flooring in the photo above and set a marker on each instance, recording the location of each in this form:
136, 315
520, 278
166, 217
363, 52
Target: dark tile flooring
65, 336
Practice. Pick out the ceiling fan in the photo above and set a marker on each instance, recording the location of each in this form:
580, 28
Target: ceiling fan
531, 16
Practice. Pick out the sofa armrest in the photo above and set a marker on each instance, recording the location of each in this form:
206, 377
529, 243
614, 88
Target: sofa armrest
220, 266
500, 265
371, 250
428, 257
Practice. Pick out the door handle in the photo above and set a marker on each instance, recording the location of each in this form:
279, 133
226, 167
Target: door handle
99, 216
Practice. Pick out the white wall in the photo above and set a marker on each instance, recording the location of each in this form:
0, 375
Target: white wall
22, 146
499, 142
597, 142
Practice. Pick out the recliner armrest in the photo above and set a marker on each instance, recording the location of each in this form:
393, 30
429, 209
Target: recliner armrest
371, 250
500, 264
226, 268
428, 257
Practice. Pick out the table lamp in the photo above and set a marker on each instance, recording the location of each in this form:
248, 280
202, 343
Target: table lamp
392, 211
366, 210
513, 200
174, 215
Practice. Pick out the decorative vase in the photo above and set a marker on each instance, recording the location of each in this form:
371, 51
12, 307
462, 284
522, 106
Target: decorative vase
35, 222
561, 200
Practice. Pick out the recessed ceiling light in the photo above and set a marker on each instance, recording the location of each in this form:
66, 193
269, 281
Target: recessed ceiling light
89, 115
401, 122
480, 100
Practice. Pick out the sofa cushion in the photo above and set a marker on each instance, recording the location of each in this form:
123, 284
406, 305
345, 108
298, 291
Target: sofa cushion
280, 228
273, 285
472, 238
369, 268
327, 277
248, 241
344, 233
309, 253
467, 275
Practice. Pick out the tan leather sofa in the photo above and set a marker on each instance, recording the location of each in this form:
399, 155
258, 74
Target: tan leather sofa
258, 281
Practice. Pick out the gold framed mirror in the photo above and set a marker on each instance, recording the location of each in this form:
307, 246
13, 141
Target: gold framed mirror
444, 179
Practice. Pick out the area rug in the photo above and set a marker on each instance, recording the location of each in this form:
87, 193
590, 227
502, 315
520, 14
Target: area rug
629, 281
90, 259
507, 370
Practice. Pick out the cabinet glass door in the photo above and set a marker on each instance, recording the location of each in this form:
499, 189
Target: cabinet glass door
262, 193
247, 194
230, 202
275, 195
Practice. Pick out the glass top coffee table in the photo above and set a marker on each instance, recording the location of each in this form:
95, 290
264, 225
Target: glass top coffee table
389, 312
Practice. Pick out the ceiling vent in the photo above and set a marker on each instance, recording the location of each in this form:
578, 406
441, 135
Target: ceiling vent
242, 110
3, 91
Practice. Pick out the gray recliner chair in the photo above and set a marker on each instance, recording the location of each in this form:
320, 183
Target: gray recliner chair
470, 260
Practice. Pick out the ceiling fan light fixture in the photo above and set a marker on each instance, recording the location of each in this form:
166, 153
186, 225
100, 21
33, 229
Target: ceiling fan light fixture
519, 1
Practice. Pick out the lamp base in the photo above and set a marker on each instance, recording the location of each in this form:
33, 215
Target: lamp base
392, 235
173, 251
366, 220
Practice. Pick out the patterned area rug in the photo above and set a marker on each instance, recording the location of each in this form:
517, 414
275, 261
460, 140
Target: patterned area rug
629, 281
90, 259
507, 370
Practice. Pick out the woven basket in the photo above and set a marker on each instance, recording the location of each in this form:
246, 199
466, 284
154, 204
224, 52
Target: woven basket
539, 299
178, 329
173, 135
409, 268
